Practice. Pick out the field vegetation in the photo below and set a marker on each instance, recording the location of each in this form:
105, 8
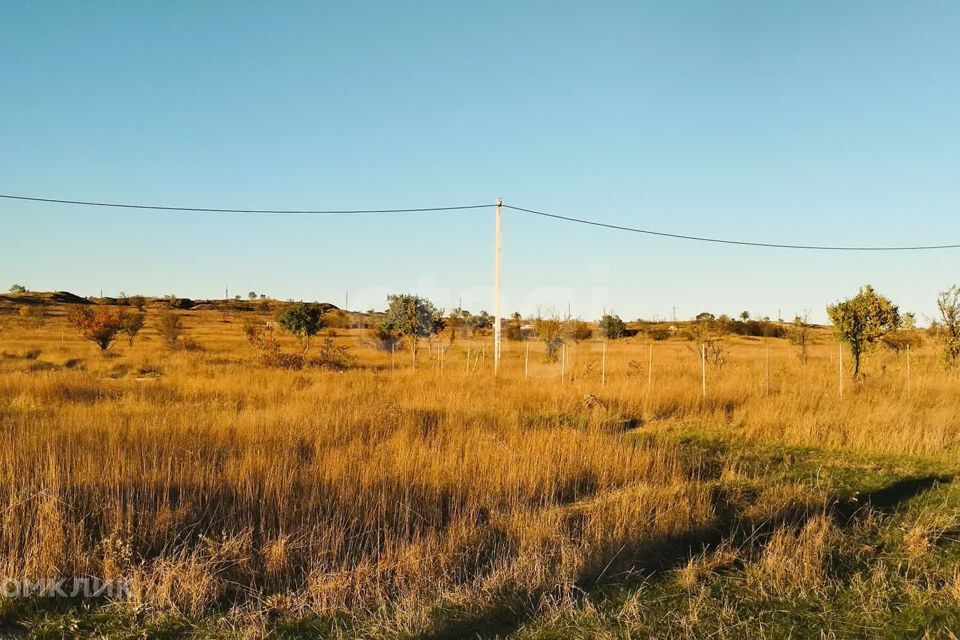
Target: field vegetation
714, 478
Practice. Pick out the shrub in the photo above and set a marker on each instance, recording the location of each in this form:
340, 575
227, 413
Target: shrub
550, 332
18, 288
382, 338
263, 338
331, 356
101, 325
170, 328
580, 330
131, 323
514, 328
612, 327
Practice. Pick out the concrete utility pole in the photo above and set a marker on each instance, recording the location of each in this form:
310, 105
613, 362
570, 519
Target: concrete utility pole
496, 287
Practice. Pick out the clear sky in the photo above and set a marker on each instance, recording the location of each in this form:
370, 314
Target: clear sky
809, 122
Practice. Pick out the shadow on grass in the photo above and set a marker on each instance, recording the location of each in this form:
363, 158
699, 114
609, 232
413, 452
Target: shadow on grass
663, 555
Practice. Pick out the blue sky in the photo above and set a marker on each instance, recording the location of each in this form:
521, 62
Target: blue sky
808, 122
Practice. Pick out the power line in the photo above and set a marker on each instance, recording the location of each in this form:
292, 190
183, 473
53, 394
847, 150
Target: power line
773, 245
153, 207
595, 223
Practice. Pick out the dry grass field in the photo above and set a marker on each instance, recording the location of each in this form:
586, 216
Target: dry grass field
440, 502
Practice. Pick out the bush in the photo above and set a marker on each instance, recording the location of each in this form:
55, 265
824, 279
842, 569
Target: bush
18, 288
131, 323
170, 328
382, 338
612, 327
101, 325
550, 332
658, 334
514, 328
580, 330
331, 356
263, 338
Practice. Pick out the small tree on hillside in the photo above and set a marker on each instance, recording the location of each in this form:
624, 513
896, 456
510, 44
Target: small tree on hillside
18, 288
303, 320
863, 320
170, 328
550, 332
612, 327
800, 335
411, 317
101, 325
131, 323
948, 329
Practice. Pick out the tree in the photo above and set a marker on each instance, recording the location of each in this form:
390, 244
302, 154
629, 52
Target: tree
481, 321
303, 320
514, 328
252, 295
800, 335
705, 316
412, 317
948, 329
131, 323
18, 288
170, 328
550, 332
744, 315
612, 327
101, 326
862, 321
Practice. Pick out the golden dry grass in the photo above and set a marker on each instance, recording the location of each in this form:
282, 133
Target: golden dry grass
211, 482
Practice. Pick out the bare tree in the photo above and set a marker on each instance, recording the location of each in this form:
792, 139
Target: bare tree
948, 329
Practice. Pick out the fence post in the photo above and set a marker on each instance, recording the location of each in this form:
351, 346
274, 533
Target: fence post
603, 366
908, 369
650, 369
767, 391
840, 376
703, 370
526, 362
563, 362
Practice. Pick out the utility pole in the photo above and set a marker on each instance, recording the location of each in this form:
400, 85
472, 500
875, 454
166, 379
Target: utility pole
496, 287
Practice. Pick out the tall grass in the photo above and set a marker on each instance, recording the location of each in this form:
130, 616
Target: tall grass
211, 482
